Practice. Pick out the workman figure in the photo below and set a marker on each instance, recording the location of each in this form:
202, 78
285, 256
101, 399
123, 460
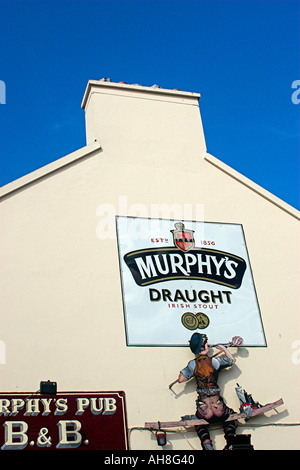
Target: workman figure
210, 404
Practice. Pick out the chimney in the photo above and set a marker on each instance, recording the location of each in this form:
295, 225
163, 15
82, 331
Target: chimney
149, 120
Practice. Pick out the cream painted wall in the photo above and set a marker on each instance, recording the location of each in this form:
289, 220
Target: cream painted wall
61, 301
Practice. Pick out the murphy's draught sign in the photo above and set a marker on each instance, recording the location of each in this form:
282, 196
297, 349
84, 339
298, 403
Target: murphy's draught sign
183, 276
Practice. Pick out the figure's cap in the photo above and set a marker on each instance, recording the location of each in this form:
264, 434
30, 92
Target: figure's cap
197, 341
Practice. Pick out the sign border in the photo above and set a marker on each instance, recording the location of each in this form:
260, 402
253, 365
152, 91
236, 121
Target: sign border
120, 393
123, 291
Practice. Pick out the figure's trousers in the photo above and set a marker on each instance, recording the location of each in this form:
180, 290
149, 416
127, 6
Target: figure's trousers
214, 410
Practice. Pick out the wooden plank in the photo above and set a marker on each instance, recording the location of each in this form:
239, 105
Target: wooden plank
257, 411
199, 422
172, 424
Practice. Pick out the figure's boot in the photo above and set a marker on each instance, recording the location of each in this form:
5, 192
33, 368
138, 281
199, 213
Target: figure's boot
229, 441
207, 446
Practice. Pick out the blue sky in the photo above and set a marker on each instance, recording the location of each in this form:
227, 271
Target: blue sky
242, 56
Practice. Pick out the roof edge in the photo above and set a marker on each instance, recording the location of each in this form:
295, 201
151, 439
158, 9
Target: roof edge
48, 169
253, 186
138, 88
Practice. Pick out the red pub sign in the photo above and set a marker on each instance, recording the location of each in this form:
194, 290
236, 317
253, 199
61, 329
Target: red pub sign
71, 420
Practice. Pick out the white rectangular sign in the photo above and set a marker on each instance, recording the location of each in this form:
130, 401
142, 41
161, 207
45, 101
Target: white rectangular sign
181, 277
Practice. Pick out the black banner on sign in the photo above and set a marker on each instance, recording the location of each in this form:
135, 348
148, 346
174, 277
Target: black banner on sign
154, 265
